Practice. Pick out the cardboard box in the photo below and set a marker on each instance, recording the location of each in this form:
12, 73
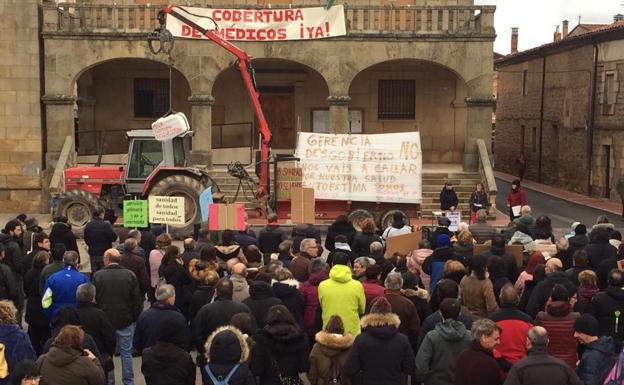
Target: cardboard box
403, 244
302, 205
226, 216
288, 177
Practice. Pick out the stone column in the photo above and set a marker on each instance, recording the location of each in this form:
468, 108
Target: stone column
201, 124
478, 125
59, 111
338, 114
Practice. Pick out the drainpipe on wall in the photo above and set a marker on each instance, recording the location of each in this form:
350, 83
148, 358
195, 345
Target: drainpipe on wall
592, 122
42, 114
541, 123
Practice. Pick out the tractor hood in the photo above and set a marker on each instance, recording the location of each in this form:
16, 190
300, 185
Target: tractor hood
92, 178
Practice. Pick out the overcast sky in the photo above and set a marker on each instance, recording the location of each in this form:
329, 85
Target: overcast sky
537, 18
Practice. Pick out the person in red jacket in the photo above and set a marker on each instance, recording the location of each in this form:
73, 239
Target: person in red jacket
514, 323
372, 284
558, 320
516, 197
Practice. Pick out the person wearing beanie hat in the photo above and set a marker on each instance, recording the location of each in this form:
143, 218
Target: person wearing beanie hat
516, 198
380, 354
598, 356
434, 264
166, 363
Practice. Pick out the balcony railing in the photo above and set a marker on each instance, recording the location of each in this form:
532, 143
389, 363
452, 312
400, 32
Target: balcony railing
361, 20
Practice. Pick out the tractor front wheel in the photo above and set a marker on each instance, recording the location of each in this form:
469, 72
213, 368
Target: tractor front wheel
77, 206
188, 188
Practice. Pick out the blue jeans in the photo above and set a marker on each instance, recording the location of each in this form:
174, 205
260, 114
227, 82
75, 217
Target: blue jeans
124, 341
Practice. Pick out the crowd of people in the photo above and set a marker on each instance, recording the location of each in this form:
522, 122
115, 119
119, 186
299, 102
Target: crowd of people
279, 306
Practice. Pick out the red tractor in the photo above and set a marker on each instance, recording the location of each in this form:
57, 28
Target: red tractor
153, 168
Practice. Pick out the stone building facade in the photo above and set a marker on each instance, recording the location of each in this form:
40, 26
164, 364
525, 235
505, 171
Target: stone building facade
560, 105
97, 70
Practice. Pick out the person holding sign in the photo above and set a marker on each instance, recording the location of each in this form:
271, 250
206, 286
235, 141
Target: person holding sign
516, 199
448, 198
478, 200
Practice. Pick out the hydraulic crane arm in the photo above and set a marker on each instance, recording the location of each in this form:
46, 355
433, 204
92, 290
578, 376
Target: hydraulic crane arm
247, 72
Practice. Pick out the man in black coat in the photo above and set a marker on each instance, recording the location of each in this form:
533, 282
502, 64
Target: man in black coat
8, 286
119, 295
215, 314
599, 248
271, 236
498, 248
99, 236
14, 258
151, 320
541, 292
261, 298
608, 308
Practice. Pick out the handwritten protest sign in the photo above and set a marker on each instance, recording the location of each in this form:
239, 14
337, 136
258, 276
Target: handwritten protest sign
261, 24
135, 213
170, 126
373, 168
166, 210
455, 218
288, 177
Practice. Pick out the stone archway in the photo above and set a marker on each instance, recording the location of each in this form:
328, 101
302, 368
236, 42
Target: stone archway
414, 95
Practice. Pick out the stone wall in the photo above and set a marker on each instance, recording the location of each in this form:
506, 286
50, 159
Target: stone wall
20, 124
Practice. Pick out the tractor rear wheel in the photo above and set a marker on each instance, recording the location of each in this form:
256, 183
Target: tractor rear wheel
388, 218
77, 206
188, 188
356, 217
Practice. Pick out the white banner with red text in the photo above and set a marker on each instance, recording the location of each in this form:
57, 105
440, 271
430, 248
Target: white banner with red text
359, 167
261, 24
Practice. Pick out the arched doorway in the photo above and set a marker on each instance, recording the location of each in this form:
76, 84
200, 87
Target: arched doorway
290, 93
414, 95
119, 95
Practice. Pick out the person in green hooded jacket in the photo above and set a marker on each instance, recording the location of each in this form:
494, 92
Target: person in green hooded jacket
342, 295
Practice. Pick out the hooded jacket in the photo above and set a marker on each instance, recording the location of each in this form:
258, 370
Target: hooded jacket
165, 363
558, 320
62, 233
227, 347
381, 354
329, 349
309, 291
540, 368
270, 237
597, 360
69, 366
608, 308
435, 318
515, 325
288, 292
17, 347
281, 345
435, 361
261, 298
241, 288
342, 295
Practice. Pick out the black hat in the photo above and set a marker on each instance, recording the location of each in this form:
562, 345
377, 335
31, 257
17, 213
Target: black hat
587, 324
516, 182
31, 223
580, 229
444, 221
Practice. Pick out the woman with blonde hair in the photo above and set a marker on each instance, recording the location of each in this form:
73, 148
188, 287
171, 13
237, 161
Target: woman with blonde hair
464, 244
17, 346
329, 353
67, 363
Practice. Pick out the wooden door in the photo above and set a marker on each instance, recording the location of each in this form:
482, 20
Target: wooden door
279, 111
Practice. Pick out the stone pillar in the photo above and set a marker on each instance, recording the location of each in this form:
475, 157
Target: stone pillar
338, 114
59, 124
201, 124
478, 125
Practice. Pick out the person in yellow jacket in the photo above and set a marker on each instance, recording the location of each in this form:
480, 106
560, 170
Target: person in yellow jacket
342, 295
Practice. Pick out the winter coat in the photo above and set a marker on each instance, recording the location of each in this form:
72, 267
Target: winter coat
202, 295
241, 288
477, 366
419, 298
342, 295
60, 290
435, 361
342, 248
228, 347
175, 274
597, 360
210, 317
269, 238
415, 262
478, 201
392, 231
69, 366
440, 230
330, 350
541, 292
511, 267
309, 291
603, 271
154, 261
429, 323
299, 267
482, 232
261, 299
17, 347
598, 252
515, 326
35, 316
524, 239
372, 290
165, 363
540, 368
47, 271
434, 264
573, 274
62, 233
336, 228
282, 346
95, 323
478, 296
228, 252
148, 325
118, 295
408, 315
13, 256
361, 243
584, 297
245, 239
608, 308
136, 264
199, 275
380, 353
288, 292
517, 197
99, 236
558, 320
464, 249
448, 199
546, 246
